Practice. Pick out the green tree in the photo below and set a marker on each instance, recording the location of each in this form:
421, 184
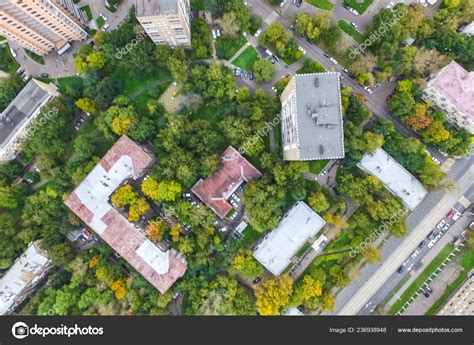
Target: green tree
263, 70
318, 201
273, 294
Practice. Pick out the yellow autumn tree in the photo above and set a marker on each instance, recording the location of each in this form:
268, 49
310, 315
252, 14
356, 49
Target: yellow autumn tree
156, 230
273, 294
176, 232
138, 209
94, 261
124, 196
119, 288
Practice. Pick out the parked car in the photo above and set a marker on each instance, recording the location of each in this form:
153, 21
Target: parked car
401, 269
390, 5
324, 172
368, 89
454, 215
327, 55
301, 49
106, 27
103, 17
354, 25
333, 60
44, 75
12, 51
436, 160
425, 293
422, 244
256, 280
429, 289
258, 33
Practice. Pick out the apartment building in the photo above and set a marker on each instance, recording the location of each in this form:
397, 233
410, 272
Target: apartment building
311, 117
17, 121
167, 22
41, 25
452, 90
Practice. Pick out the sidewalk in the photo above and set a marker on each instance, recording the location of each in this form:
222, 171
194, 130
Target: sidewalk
241, 50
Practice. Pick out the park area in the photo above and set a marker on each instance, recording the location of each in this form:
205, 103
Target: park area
7, 62
359, 5
348, 29
246, 60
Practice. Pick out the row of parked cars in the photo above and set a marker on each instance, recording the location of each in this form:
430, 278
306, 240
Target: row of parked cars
243, 74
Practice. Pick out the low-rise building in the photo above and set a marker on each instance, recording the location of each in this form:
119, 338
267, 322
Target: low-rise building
90, 202
23, 277
452, 90
17, 119
297, 226
462, 301
395, 177
166, 21
216, 190
311, 116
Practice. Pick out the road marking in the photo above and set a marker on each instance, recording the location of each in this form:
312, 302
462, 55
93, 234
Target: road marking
272, 17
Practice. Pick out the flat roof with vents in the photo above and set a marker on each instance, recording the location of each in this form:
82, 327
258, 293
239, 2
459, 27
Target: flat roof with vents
148, 8
319, 116
298, 225
394, 176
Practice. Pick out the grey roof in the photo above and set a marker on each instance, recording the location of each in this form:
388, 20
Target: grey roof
320, 129
21, 109
147, 8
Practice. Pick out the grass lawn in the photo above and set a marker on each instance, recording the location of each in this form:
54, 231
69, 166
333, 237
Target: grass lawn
87, 11
324, 4
131, 85
246, 60
141, 101
250, 237
227, 47
72, 82
415, 286
206, 112
36, 58
316, 167
7, 62
348, 29
100, 22
360, 7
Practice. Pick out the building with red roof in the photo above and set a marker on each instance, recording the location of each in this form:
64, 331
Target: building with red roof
452, 90
90, 202
216, 189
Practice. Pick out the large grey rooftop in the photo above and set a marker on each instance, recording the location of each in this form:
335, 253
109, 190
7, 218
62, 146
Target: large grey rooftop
320, 128
147, 8
20, 110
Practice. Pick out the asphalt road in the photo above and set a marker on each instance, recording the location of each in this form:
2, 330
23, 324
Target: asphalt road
395, 251
423, 257
375, 102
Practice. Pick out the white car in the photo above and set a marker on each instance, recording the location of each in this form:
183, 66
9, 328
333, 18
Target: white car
436, 160
12, 51
274, 89
353, 11
354, 25
103, 17
390, 5
440, 224
214, 35
369, 90
301, 49
333, 60
258, 33
106, 27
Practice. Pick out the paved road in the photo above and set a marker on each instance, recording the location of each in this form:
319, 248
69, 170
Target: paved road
375, 102
424, 218
424, 257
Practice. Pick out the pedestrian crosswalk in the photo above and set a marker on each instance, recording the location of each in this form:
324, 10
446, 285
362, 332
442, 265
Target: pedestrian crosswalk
271, 18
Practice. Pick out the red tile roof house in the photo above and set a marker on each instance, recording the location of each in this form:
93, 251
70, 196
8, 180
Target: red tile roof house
216, 189
90, 202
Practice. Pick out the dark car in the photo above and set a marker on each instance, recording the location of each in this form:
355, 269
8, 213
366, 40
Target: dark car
425, 293
298, 3
401, 269
422, 244
327, 55
44, 75
256, 280
431, 235
429, 289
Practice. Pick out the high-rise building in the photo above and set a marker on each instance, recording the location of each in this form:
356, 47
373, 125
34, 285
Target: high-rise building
166, 21
452, 90
41, 25
311, 116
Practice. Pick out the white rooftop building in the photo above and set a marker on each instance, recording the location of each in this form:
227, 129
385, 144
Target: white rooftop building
298, 225
22, 277
395, 177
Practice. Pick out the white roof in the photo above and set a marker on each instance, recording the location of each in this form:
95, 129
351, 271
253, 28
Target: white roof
25, 272
154, 257
395, 177
298, 225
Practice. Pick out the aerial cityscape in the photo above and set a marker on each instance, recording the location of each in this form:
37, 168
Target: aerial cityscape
236, 158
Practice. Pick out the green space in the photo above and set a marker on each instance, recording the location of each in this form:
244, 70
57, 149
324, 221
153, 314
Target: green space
323, 4
415, 286
7, 62
197, 5
141, 100
100, 22
35, 57
359, 7
246, 59
87, 11
131, 85
250, 237
316, 167
348, 29
227, 47
70, 83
